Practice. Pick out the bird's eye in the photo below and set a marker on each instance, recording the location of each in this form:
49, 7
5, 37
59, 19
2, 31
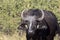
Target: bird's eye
26, 26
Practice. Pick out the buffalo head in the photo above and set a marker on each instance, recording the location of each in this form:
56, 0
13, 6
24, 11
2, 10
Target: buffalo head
31, 20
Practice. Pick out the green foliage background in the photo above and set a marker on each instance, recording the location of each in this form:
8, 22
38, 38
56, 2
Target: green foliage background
10, 11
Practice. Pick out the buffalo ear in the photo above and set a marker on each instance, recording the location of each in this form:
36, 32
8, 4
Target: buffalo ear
21, 27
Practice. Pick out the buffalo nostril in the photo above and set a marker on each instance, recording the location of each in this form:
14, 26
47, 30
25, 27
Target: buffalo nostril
30, 31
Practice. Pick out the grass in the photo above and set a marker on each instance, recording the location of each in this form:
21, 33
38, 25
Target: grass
10, 11
16, 36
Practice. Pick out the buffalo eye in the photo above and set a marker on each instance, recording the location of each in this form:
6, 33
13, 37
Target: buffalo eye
26, 20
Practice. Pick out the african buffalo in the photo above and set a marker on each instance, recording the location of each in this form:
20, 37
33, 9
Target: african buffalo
39, 24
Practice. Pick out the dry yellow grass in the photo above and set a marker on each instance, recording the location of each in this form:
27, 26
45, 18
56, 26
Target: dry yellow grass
13, 37
16, 36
